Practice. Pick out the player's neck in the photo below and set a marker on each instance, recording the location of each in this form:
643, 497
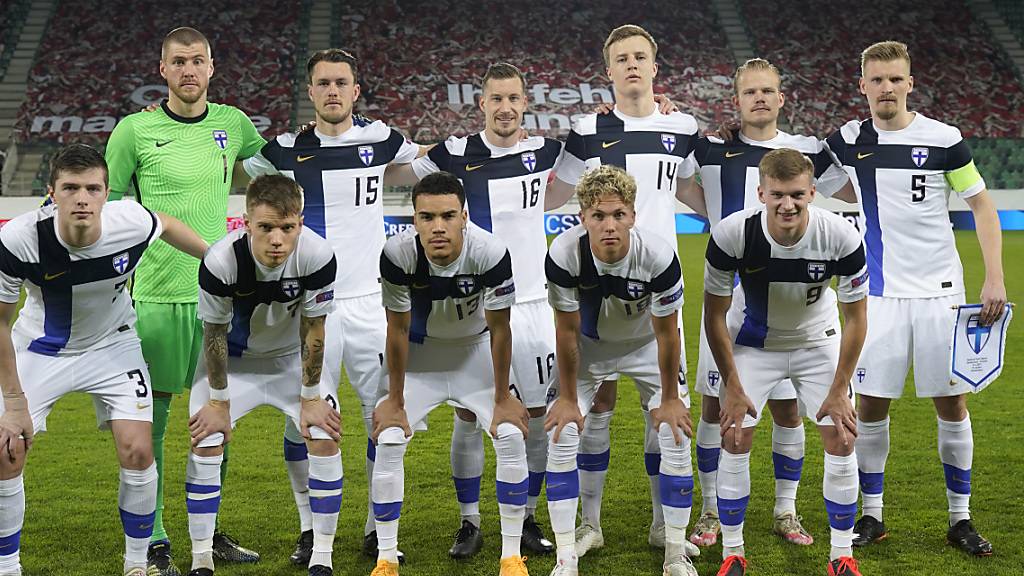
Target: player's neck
789, 236
333, 129
79, 236
501, 141
613, 256
639, 106
184, 109
897, 122
759, 133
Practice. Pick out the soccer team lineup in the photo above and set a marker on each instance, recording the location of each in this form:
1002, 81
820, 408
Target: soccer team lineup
805, 320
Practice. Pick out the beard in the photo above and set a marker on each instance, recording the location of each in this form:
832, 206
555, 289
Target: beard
188, 97
886, 112
506, 132
334, 116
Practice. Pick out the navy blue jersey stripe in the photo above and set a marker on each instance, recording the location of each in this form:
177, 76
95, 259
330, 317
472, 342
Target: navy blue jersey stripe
558, 275
420, 295
211, 284
392, 273
958, 156
869, 204
718, 258
851, 263
668, 277
755, 284
591, 296
323, 277
499, 273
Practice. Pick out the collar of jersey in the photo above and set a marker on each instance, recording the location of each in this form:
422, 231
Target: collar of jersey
182, 119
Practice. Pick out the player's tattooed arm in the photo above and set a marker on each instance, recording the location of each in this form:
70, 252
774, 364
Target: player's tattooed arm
565, 409
215, 351
315, 411
16, 421
311, 333
215, 416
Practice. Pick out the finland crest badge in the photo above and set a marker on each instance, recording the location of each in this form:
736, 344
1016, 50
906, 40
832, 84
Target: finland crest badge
635, 289
529, 161
466, 285
919, 156
669, 142
366, 154
290, 288
816, 270
977, 355
221, 138
121, 263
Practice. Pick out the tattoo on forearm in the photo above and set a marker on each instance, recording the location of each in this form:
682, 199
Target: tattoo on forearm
312, 351
215, 349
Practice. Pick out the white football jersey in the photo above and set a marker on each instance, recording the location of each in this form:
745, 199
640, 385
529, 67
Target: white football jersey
787, 301
505, 189
342, 180
903, 179
76, 296
615, 301
729, 170
264, 305
447, 302
654, 150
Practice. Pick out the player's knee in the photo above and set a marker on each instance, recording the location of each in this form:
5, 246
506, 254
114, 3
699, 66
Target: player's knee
322, 447
136, 453
785, 413
562, 453
604, 401
710, 409
951, 408
11, 465
675, 456
746, 440
872, 408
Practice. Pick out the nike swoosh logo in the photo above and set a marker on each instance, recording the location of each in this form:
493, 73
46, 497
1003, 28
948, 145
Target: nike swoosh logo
146, 526
610, 144
557, 485
788, 469
162, 144
861, 155
470, 168
141, 406
249, 293
842, 516
49, 276
420, 286
517, 493
754, 270
734, 154
304, 158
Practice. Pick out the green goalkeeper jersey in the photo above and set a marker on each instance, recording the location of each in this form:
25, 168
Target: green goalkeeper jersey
182, 167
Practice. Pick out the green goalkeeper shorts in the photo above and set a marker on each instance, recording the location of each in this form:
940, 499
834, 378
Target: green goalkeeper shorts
172, 339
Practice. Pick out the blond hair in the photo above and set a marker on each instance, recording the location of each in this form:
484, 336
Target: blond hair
886, 51
186, 37
785, 164
606, 180
754, 65
628, 31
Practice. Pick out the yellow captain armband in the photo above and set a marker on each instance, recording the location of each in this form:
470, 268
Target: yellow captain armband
964, 178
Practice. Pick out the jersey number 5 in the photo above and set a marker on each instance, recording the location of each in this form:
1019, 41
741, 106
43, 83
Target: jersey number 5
917, 186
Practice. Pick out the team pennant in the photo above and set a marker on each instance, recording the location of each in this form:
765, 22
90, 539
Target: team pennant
977, 357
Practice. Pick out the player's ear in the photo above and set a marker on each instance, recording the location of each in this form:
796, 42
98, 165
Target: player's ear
245, 220
760, 193
782, 99
211, 68
356, 91
910, 83
655, 75
860, 84
163, 70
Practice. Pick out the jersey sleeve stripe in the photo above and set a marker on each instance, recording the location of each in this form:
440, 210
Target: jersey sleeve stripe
392, 273
719, 259
668, 277
211, 284
272, 151
836, 143
10, 264
441, 157
500, 273
852, 263
576, 145
558, 275
957, 156
822, 161
323, 277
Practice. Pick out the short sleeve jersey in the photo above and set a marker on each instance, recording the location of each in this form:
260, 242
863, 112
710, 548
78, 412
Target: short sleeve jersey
181, 167
903, 179
615, 301
264, 305
505, 189
787, 302
342, 180
447, 302
654, 150
76, 297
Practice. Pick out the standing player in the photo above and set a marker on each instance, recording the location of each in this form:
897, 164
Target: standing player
76, 334
340, 167
505, 180
653, 148
785, 326
179, 159
448, 291
903, 166
730, 178
616, 291
264, 294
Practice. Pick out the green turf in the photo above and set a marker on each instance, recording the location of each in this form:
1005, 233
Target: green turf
72, 526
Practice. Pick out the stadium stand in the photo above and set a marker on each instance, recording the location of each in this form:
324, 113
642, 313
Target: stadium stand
12, 16
413, 51
1013, 14
114, 47
962, 76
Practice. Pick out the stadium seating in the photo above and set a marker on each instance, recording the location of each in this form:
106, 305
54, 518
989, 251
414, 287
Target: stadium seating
1001, 162
1013, 13
94, 53
962, 76
410, 53
12, 15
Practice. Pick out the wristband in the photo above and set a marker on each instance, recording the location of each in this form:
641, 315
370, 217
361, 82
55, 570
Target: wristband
310, 392
220, 395
15, 401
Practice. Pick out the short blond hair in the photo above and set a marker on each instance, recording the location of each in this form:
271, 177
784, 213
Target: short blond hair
628, 31
886, 51
186, 37
606, 180
785, 164
754, 65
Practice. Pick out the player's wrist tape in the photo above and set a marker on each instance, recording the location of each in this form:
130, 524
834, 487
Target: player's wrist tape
15, 401
310, 392
220, 395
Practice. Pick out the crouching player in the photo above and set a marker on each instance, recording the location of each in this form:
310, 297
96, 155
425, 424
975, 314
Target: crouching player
76, 333
264, 293
447, 289
616, 291
784, 324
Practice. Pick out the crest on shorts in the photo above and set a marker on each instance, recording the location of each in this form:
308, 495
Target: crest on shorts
977, 334
861, 373
635, 289
366, 154
713, 378
669, 142
221, 138
121, 263
816, 270
529, 160
919, 156
290, 288
466, 285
